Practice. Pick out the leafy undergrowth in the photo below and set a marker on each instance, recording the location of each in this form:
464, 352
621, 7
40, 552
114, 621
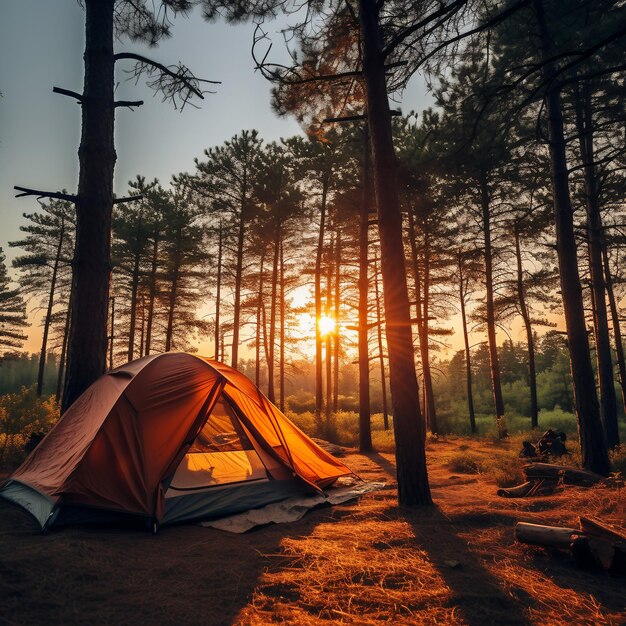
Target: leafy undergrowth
364, 562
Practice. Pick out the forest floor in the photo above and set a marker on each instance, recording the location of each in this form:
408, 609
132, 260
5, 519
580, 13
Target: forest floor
364, 562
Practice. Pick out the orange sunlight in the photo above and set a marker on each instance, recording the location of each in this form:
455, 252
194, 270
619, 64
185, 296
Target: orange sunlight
327, 325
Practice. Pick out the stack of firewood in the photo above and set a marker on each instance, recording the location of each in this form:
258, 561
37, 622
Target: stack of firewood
593, 545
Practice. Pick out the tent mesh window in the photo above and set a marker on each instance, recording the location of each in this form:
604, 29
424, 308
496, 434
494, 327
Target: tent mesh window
222, 431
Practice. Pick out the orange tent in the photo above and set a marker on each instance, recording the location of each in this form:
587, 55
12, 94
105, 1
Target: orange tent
168, 438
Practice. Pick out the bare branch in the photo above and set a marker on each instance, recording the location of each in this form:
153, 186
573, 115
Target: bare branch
72, 94
128, 103
44, 194
128, 199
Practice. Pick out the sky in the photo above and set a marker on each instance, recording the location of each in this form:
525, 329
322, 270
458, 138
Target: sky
41, 46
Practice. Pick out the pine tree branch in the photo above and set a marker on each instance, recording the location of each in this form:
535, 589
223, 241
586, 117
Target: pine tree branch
174, 81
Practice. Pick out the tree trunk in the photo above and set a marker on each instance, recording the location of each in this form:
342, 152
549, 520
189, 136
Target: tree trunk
468, 362
112, 332
257, 360
365, 427
173, 292
143, 326
381, 353
530, 340
152, 292
218, 291
272, 339
234, 357
66, 334
46, 324
133, 296
617, 333
92, 257
496, 385
592, 438
337, 326
329, 382
281, 355
319, 397
422, 313
604, 358
413, 488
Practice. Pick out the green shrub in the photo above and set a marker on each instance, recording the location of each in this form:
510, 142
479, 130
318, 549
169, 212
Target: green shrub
301, 402
23, 413
503, 466
618, 461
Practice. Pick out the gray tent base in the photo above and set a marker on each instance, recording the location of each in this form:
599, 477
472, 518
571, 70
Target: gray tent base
228, 499
207, 504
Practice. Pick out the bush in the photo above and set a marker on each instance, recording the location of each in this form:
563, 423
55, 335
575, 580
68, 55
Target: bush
23, 413
503, 466
618, 461
301, 402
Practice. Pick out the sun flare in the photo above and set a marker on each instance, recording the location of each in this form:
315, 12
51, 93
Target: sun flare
327, 325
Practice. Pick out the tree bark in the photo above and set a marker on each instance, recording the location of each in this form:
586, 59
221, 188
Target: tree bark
592, 438
271, 394
66, 334
319, 394
365, 427
112, 332
152, 292
133, 294
413, 487
173, 292
328, 352
218, 292
422, 312
496, 385
381, 353
336, 337
617, 333
239, 272
530, 340
604, 358
281, 355
257, 360
468, 362
92, 258
46, 325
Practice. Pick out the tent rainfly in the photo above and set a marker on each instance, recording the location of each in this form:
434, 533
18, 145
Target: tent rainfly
168, 438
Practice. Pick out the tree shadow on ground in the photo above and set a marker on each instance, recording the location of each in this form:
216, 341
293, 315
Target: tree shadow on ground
479, 598
184, 575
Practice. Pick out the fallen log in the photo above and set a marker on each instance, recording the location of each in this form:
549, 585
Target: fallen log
547, 536
593, 545
568, 475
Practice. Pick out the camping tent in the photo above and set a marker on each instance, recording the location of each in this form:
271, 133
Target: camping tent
168, 438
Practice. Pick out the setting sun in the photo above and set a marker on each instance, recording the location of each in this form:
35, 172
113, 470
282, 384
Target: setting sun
327, 325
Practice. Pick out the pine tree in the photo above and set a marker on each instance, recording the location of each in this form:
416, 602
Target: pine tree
45, 269
12, 312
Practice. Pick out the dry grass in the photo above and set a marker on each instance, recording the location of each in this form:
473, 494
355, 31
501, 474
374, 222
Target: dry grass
367, 562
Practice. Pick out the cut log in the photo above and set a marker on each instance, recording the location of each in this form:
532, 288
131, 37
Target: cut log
569, 475
547, 536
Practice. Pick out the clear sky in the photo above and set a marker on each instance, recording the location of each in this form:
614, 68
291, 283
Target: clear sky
41, 46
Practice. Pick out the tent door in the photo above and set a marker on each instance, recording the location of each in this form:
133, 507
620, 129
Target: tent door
221, 454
